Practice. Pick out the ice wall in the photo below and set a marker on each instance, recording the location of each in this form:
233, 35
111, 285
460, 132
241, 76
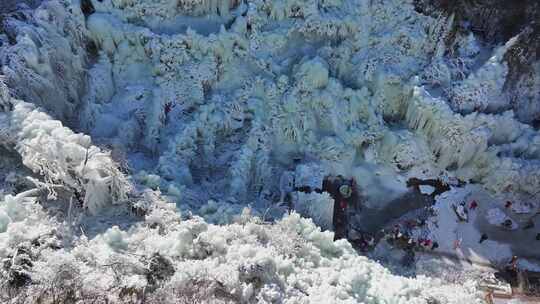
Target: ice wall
480, 147
346, 84
43, 60
217, 112
266, 88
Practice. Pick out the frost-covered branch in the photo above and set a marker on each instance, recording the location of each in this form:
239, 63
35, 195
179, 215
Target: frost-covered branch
61, 156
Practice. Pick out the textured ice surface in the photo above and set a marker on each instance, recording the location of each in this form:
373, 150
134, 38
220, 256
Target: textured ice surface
206, 103
243, 100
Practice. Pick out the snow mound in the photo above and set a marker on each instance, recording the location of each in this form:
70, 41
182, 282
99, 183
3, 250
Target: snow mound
205, 107
291, 261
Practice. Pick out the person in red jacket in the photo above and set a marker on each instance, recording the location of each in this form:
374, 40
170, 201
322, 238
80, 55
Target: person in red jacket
168, 108
345, 195
473, 205
341, 205
513, 264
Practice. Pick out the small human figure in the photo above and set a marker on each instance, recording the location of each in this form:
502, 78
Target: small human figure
427, 243
431, 211
370, 241
361, 243
483, 238
508, 204
353, 183
461, 212
364, 246
396, 232
507, 223
411, 244
513, 264
457, 244
435, 245
168, 108
345, 191
473, 205
341, 204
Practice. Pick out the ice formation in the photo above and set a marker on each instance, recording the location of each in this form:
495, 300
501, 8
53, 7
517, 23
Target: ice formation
208, 105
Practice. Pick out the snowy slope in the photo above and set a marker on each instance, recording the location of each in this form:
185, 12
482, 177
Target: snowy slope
200, 107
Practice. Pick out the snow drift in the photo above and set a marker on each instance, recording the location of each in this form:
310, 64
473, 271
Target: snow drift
205, 105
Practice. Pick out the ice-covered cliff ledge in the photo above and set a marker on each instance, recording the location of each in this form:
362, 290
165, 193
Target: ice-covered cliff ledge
206, 104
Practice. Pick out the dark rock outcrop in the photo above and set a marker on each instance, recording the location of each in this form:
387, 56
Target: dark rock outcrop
493, 20
496, 22
7, 6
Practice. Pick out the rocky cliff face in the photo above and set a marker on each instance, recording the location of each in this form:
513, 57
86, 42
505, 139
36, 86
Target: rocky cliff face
7, 6
496, 22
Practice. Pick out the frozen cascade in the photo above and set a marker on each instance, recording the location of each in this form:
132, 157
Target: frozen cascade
468, 141
47, 64
195, 109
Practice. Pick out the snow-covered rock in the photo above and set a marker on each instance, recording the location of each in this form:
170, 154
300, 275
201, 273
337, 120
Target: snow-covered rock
210, 102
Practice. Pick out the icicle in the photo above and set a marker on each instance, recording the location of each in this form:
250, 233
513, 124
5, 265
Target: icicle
318, 207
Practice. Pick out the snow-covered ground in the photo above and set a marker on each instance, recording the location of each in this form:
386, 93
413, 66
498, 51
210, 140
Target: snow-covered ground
192, 115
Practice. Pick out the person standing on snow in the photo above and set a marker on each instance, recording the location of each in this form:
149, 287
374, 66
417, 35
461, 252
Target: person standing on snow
457, 244
370, 241
513, 264
425, 243
508, 224
396, 232
461, 212
341, 205
483, 238
167, 108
